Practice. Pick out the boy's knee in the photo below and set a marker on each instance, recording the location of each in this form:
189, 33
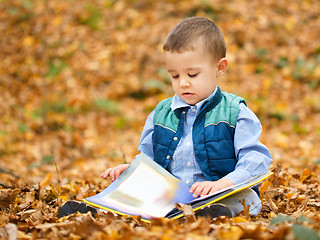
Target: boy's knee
250, 197
255, 210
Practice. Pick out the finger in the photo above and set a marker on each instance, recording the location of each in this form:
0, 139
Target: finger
206, 189
193, 187
106, 173
112, 174
117, 173
198, 190
212, 191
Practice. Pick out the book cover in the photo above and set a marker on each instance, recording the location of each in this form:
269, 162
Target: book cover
146, 189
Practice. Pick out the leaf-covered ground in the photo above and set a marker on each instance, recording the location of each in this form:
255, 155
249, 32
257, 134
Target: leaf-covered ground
78, 79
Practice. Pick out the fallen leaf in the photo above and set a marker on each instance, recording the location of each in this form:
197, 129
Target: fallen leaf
264, 186
239, 220
306, 173
46, 180
9, 231
234, 233
7, 197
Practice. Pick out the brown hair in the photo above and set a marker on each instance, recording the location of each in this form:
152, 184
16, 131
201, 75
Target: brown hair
189, 30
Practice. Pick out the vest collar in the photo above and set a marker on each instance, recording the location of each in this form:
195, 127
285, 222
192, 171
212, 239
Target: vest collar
208, 103
212, 103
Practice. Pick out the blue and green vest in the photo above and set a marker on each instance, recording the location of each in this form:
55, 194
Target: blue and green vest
212, 134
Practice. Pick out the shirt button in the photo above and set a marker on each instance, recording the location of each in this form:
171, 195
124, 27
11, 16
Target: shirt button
168, 157
188, 163
175, 138
183, 112
188, 143
194, 110
187, 181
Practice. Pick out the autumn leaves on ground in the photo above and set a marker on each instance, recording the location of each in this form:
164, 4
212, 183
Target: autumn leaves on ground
79, 78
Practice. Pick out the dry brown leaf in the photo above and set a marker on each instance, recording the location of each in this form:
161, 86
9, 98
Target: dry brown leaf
46, 180
306, 173
7, 197
187, 211
264, 186
239, 220
9, 232
233, 233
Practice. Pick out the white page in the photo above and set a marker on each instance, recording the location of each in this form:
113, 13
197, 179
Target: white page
145, 191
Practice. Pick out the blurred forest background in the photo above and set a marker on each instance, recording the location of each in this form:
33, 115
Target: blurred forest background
79, 78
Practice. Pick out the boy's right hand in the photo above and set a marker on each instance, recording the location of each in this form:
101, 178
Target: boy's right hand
115, 172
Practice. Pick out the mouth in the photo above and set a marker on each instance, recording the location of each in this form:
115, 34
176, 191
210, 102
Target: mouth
187, 94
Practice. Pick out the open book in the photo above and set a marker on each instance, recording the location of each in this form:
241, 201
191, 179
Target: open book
146, 189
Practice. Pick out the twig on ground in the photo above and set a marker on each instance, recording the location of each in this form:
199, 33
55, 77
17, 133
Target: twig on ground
58, 174
8, 172
5, 185
124, 156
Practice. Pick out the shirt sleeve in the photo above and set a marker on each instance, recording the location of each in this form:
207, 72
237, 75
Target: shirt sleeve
253, 157
145, 144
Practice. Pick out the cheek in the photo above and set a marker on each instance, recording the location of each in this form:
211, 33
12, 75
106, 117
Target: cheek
175, 82
206, 86
174, 85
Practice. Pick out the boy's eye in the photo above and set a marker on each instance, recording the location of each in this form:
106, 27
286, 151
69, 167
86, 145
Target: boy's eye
175, 76
193, 75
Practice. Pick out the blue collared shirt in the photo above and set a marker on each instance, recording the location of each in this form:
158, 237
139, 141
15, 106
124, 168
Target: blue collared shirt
253, 157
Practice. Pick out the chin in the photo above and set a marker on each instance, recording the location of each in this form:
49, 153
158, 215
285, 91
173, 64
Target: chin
191, 103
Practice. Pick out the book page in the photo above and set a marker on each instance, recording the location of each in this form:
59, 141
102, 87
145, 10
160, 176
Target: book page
144, 188
144, 191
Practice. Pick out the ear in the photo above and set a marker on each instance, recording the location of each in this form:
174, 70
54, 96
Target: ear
222, 66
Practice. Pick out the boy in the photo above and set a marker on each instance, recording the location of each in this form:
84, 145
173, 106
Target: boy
207, 138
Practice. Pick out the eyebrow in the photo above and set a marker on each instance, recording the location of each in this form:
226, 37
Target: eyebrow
196, 68
188, 69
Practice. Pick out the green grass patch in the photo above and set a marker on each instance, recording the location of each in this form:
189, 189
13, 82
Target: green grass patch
55, 67
93, 18
108, 106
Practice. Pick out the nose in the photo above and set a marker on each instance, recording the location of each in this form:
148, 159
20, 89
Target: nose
184, 82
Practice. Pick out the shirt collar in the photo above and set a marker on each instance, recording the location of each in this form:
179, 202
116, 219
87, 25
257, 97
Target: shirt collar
178, 103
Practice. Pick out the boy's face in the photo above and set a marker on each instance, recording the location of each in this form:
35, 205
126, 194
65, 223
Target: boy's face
193, 73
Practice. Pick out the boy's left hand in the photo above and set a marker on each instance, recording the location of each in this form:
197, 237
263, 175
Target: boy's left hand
206, 187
